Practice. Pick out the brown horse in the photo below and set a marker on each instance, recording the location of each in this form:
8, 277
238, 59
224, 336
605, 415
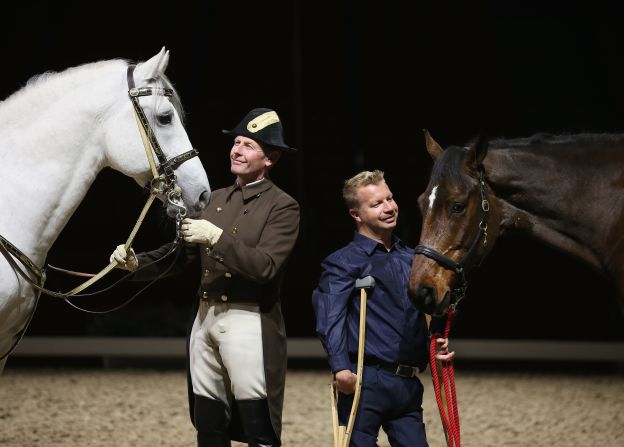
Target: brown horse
565, 190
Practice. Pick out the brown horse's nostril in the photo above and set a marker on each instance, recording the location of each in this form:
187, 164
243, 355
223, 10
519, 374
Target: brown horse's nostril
423, 299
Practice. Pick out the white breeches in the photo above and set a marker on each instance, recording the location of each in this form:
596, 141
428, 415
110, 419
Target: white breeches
226, 352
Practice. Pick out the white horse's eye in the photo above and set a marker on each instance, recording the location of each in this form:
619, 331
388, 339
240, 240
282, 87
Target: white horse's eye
165, 118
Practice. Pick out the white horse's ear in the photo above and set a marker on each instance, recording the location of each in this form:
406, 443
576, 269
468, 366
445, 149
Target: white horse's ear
153, 66
164, 62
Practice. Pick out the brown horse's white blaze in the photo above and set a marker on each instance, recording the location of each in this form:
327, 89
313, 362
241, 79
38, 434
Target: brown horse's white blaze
451, 224
428, 282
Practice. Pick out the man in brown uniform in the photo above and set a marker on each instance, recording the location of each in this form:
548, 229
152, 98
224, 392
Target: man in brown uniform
237, 344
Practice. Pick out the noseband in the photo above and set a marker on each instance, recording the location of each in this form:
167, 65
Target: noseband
470, 258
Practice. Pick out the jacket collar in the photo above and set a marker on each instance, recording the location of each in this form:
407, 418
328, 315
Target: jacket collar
370, 245
251, 190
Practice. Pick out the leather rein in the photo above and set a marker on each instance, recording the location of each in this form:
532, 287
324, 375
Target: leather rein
470, 258
163, 183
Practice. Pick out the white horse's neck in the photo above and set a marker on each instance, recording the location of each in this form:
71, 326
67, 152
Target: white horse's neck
51, 152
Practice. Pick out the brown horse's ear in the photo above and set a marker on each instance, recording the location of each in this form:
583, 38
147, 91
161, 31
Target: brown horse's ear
476, 152
434, 149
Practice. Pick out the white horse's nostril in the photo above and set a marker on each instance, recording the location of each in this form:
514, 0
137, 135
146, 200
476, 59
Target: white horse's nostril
204, 198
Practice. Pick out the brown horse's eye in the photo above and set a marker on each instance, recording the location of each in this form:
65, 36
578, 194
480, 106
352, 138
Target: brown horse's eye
458, 207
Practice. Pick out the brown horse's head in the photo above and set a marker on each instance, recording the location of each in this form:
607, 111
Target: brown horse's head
456, 209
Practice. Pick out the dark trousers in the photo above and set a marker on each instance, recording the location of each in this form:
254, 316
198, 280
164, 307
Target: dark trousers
388, 401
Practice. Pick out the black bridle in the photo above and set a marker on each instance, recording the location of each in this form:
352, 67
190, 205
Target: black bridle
470, 258
166, 167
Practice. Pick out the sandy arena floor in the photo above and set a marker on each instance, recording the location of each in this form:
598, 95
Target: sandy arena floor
141, 408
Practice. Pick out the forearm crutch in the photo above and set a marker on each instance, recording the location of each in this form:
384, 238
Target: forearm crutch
342, 434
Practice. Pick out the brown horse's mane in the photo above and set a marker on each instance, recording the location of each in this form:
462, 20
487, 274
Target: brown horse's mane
546, 139
450, 165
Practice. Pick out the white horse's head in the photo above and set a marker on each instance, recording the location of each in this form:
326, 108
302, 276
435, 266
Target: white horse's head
124, 148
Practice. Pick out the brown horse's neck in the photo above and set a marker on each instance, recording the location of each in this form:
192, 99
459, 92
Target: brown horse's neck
571, 202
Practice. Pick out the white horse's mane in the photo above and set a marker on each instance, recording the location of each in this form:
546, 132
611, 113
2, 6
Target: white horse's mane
46, 87
50, 85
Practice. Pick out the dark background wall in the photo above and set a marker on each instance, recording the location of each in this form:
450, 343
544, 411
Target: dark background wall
354, 84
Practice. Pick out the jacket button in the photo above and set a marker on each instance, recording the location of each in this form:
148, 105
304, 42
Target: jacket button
224, 298
234, 230
219, 209
206, 272
228, 275
207, 250
205, 295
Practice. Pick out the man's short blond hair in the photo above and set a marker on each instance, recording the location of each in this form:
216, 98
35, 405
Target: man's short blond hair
351, 186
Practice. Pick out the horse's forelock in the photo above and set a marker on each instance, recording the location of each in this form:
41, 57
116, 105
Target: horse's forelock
449, 167
164, 82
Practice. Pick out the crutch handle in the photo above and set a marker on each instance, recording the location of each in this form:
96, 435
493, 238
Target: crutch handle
367, 282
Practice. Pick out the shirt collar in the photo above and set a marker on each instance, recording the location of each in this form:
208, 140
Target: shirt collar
251, 189
370, 245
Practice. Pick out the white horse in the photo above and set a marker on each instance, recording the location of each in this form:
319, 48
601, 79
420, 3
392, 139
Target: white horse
56, 134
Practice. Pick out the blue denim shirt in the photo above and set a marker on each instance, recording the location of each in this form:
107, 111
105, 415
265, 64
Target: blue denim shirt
395, 331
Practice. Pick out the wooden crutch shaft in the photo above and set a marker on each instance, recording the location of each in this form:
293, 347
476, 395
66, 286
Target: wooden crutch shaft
332, 389
360, 367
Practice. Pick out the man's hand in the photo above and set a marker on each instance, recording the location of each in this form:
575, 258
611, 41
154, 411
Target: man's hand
345, 381
126, 261
200, 231
442, 352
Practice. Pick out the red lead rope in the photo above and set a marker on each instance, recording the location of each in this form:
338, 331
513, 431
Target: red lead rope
449, 414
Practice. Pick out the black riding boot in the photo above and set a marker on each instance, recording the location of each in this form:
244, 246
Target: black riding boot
211, 421
257, 423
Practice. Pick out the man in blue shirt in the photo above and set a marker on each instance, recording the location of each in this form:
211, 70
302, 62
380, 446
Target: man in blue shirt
396, 333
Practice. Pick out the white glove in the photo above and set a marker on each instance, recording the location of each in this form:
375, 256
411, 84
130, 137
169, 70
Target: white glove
200, 231
126, 261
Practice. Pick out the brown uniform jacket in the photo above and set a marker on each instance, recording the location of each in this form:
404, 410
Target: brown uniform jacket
260, 226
